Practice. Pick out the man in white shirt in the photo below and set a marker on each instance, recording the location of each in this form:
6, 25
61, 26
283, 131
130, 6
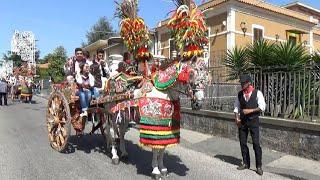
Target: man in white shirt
86, 55
99, 69
72, 66
248, 106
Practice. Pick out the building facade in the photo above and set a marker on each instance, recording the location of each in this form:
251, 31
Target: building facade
240, 22
6, 68
112, 46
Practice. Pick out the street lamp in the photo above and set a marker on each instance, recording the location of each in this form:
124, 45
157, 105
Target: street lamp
243, 28
277, 37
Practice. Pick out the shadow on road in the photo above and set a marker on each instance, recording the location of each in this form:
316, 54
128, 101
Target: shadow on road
290, 176
229, 159
87, 143
137, 156
142, 160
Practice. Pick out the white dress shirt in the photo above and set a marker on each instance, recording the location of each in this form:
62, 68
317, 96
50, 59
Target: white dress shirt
80, 80
260, 99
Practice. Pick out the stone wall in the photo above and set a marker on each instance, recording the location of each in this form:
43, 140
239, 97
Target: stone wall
289, 136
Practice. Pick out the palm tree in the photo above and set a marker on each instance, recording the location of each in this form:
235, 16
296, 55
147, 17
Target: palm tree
237, 62
316, 58
290, 55
260, 53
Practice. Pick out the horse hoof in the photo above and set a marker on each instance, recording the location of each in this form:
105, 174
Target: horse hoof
164, 172
115, 161
157, 176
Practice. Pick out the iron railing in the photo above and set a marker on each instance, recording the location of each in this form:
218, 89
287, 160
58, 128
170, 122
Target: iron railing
288, 94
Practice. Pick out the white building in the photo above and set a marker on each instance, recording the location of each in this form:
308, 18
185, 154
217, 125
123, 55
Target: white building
6, 68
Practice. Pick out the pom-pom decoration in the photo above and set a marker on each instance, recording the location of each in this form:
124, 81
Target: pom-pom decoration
188, 28
133, 30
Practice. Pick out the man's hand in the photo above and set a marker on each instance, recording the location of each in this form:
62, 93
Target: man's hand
250, 111
247, 111
238, 122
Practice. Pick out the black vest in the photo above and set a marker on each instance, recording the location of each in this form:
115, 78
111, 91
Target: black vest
251, 104
95, 71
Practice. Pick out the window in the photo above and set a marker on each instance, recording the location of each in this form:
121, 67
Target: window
206, 49
173, 48
257, 34
292, 39
316, 37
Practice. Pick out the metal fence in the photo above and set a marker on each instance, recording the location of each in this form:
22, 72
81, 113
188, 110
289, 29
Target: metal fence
217, 71
218, 97
288, 94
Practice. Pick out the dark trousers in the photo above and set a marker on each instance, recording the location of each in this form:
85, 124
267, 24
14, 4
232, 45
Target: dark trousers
253, 128
4, 96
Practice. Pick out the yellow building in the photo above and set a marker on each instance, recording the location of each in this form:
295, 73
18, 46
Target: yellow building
111, 46
239, 22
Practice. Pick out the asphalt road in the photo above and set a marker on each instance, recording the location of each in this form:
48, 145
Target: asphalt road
26, 154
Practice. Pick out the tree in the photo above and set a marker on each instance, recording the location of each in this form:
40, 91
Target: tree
237, 62
293, 56
260, 53
17, 61
316, 58
56, 62
101, 30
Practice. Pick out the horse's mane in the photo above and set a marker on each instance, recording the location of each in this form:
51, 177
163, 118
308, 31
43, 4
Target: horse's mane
166, 63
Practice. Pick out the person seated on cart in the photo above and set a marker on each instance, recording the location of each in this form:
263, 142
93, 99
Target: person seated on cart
100, 71
85, 82
72, 67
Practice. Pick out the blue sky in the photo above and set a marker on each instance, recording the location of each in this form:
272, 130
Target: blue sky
65, 22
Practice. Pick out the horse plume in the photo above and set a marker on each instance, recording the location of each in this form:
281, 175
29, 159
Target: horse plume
188, 28
133, 30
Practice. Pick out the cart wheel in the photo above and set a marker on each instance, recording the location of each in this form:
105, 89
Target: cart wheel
58, 121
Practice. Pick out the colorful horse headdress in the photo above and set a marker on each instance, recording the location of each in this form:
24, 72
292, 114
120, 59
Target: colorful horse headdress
188, 28
133, 29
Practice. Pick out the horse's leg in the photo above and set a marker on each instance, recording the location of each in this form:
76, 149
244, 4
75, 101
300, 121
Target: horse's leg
123, 129
111, 139
115, 157
108, 132
155, 172
163, 169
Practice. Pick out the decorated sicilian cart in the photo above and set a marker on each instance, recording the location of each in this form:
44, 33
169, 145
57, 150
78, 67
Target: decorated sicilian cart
63, 109
22, 88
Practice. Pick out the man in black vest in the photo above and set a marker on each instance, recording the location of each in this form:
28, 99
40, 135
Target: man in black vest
248, 106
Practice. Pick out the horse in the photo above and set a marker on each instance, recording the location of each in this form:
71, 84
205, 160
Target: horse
160, 108
15, 92
158, 102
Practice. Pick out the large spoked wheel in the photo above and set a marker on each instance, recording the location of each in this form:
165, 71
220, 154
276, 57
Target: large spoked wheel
58, 121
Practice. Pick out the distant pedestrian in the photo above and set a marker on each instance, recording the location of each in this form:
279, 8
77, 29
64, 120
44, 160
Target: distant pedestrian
3, 92
248, 106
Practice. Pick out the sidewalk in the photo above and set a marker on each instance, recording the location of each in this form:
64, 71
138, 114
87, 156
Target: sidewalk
229, 151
